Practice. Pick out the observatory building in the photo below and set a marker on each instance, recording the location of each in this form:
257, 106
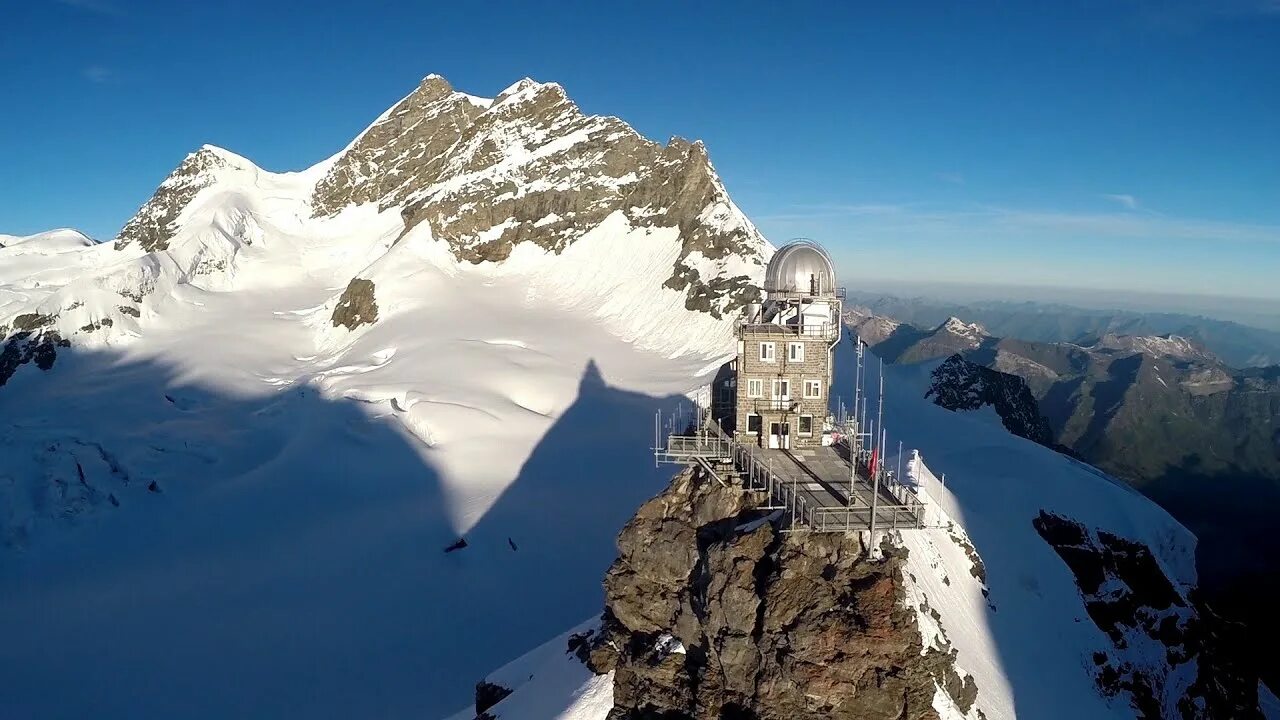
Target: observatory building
783, 371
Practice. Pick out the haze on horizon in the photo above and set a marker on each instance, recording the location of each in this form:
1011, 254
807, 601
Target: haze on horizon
976, 150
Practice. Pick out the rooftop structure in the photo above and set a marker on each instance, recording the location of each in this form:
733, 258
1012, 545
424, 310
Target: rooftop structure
766, 422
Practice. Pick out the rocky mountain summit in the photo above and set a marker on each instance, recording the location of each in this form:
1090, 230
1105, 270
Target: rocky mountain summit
481, 176
713, 613
379, 353
529, 166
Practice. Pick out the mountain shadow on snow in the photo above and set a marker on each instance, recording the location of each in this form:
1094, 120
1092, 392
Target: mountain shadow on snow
292, 563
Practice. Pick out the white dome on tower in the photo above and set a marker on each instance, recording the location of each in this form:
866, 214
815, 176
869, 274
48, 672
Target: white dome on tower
801, 266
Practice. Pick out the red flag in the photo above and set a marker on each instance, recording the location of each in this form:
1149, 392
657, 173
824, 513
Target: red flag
871, 465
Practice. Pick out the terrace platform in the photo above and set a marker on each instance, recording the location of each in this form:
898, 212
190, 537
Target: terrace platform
814, 486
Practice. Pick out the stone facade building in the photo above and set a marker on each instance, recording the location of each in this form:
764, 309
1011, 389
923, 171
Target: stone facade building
783, 372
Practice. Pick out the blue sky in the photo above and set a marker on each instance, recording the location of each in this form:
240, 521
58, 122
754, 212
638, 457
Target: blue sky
1107, 144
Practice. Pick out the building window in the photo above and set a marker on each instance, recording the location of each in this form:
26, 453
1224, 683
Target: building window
813, 388
753, 424
806, 424
767, 352
755, 387
795, 352
781, 389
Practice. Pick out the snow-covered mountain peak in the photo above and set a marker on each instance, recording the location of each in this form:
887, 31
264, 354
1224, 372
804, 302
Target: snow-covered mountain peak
531, 167
361, 360
956, 326
1174, 347
524, 89
155, 223
58, 240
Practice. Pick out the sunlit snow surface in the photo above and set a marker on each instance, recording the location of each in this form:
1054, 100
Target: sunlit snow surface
308, 478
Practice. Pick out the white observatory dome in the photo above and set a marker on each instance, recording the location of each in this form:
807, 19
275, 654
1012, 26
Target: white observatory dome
801, 266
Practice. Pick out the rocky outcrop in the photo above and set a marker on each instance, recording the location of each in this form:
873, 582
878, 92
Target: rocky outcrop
487, 695
356, 306
25, 347
530, 167
713, 613
1129, 598
962, 385
32, 321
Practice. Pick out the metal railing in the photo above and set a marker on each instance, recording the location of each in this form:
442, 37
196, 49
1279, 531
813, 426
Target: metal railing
848, 519
786, 294
757, 474
817, 330
682, 448
773, 403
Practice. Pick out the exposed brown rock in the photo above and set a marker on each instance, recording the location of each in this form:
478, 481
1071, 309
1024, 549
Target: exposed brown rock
486, 180
708, 617
32, 321
97, 325
356, 306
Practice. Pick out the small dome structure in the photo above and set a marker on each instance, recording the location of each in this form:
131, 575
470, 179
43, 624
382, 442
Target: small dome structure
801, 266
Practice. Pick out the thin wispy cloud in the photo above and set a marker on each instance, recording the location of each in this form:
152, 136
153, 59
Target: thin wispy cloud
101, 7
99, 74
953, 178
1129, 202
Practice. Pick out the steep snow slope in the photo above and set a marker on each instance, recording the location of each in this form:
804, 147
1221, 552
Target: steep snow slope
219, 489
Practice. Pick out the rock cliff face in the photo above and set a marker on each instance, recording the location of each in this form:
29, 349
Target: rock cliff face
713, 613
40, 348
962, 385
529, 166
1167, 650
357, 306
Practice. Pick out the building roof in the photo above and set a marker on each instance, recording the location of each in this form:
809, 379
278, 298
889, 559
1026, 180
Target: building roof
801, 266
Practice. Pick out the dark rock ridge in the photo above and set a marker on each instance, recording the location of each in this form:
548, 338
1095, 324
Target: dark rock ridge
356, 306
961, 385
531, 167
712, 613
1128, 597
487, 695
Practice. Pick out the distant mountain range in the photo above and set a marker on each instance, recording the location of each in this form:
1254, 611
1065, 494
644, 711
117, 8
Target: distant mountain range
1235, 344
1140, 406
1163, 412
